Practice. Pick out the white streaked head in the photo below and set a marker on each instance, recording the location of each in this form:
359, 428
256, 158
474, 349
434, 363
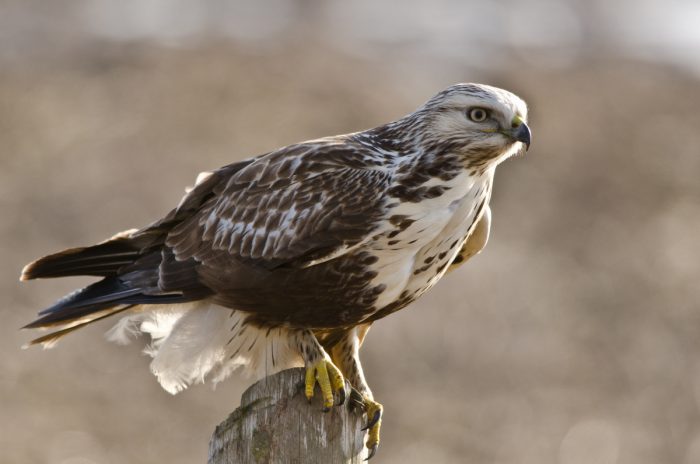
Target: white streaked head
477, 120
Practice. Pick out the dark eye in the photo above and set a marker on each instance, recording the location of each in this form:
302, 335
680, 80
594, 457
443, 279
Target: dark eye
478, 114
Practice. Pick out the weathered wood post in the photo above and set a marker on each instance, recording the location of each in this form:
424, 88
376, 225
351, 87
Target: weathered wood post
275, 424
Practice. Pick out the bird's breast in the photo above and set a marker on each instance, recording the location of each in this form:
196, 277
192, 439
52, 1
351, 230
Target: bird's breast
424, 237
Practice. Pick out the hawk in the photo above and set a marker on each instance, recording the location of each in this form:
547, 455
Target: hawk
286, 259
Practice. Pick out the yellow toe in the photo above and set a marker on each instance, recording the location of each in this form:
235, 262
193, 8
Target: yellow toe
329, 380
374, 412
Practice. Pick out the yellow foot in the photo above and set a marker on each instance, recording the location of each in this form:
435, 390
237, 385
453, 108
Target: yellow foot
374, 423
329, 379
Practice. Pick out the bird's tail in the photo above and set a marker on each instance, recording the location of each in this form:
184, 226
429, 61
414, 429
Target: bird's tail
188, 341
97, 301
130, 277
104, 259
50, 339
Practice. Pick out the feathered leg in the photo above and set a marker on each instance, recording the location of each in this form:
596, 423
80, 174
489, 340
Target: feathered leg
319, 369
346, 355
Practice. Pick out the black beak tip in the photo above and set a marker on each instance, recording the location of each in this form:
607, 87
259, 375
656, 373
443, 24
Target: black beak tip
523, 134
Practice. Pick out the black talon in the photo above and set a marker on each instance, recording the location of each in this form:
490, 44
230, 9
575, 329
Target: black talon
372, 451
373, 421
326, 409
342, 395
356, 401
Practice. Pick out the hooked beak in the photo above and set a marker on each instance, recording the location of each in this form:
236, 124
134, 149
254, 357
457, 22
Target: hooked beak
520, 132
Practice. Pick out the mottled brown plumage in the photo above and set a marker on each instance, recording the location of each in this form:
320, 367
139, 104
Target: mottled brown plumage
290, 256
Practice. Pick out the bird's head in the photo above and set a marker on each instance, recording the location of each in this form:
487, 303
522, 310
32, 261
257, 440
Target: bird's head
482, 123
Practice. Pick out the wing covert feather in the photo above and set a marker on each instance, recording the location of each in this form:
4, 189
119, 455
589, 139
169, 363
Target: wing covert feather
294, 206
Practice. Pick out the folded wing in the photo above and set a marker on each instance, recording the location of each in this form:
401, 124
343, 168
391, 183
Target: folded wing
298, 206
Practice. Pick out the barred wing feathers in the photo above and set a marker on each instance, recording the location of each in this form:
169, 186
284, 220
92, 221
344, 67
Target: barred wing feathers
295, 207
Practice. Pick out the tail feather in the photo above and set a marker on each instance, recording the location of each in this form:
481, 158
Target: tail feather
49, 340
129, 265
105, 291
104, 260
96, 297
100, 296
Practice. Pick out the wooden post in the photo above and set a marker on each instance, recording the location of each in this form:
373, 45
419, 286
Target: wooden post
275, 424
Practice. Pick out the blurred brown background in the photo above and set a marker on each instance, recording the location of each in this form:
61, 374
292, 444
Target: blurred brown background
574, 338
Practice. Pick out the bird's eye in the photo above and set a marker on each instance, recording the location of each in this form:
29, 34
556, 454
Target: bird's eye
478, 114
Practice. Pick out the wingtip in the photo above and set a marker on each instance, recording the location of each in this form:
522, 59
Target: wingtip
27, 272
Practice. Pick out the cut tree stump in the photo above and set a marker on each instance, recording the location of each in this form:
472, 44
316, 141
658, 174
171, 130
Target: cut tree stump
276, 424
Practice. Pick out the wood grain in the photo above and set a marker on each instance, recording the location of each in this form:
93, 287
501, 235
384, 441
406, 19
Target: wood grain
276, 424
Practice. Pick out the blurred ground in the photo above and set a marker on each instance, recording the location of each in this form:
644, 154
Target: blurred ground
574, 338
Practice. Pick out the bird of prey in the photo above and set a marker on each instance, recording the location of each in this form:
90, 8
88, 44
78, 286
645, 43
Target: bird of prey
288, 258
